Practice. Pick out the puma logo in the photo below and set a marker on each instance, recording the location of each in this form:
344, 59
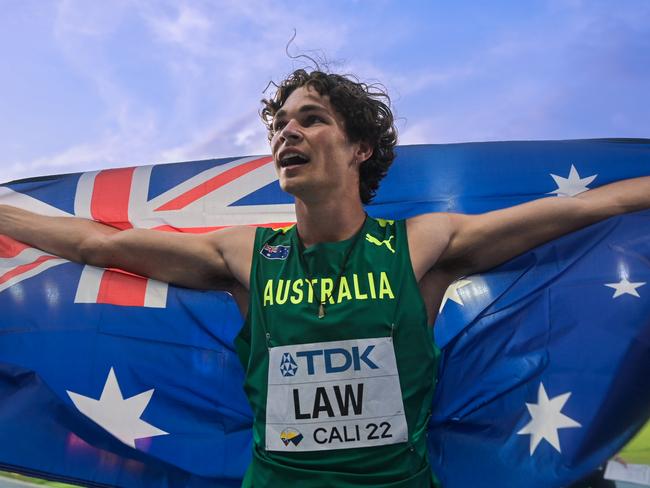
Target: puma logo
377, 242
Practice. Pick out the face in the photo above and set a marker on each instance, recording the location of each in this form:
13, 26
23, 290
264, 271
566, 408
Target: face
311, 150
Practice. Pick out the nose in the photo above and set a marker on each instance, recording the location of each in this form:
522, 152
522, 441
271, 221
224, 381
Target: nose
291, 131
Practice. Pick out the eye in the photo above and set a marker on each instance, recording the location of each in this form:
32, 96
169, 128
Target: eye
278, 125
313, 119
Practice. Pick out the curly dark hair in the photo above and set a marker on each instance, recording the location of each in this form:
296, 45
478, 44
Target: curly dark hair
365, 109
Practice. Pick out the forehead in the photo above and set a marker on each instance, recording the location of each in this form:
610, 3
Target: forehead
302, 99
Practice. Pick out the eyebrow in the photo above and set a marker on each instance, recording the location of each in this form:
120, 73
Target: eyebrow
305, 108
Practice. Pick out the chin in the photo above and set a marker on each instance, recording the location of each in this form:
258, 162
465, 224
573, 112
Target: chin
300, 190
289, 186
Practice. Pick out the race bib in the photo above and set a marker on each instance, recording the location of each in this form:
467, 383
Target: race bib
334, 395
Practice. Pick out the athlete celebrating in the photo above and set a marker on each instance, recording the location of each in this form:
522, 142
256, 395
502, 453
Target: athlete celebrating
340, 364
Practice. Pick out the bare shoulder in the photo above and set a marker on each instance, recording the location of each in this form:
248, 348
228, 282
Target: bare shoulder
235, 245
428, 236
233, 236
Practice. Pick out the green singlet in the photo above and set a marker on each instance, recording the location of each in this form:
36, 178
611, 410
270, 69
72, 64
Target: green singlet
342, 400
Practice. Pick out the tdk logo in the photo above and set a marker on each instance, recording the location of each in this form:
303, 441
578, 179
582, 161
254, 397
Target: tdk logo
288, 366
337, 359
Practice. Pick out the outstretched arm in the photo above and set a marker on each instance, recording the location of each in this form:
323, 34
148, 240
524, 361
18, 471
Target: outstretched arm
467, 244
206, 261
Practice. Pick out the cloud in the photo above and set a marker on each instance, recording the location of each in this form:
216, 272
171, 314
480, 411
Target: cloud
245, 135
89, 19
83, 157
187, 28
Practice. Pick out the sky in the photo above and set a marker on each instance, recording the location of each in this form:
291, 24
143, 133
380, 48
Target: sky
87, 85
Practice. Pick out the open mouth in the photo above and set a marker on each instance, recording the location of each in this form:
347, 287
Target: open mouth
293, 159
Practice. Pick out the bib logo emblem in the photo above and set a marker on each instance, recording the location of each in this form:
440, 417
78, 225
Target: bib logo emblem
292, 436
275, 252
337, 359
288, 366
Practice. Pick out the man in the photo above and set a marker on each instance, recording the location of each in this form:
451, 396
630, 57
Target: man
338, 355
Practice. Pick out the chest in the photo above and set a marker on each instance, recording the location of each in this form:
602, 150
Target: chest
431, 287
330, 303
363, 287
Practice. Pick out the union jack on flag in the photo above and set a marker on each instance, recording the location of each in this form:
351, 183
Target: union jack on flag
136, 197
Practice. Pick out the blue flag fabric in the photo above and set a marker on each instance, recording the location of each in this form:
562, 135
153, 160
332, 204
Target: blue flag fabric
111, 379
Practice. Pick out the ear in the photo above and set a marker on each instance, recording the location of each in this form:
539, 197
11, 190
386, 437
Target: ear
364, 152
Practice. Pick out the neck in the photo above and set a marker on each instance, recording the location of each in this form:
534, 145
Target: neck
331, 221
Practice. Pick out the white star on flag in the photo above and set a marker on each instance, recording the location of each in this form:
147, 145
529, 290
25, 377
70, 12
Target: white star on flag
625, 287
546, 419
452, 293
118, 415
573, 185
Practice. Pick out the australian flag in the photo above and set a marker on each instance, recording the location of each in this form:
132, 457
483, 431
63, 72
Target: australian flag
275, 252
107, 378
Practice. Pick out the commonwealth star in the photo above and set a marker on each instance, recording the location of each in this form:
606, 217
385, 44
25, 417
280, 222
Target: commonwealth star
118, 415
624, 287
452, 293
573, 185
546, 419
